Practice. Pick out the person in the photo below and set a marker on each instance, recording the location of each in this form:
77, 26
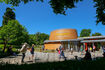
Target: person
104, 52
90, 49
71, 50
23, 51
94, 47
32, 51
61, 52
87, 56
60, 48
81, 49
10, 51
43, 47
58, 51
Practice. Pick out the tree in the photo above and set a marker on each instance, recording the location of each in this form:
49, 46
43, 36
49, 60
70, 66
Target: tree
85, 33
43, 37
61, 6
100, 11
31, 39
13, 33
8, 15
96, 34
38, 38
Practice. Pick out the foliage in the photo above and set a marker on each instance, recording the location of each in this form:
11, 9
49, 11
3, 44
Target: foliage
85, 33
13, 33
38, 38
100, 11
61, 6
98, 64
17, 2
8, 15
97, 34
31, 39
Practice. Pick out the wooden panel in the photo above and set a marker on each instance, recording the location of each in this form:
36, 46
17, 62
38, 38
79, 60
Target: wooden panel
52, 46
63, 34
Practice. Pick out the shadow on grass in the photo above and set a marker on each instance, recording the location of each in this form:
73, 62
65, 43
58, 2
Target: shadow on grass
98, 64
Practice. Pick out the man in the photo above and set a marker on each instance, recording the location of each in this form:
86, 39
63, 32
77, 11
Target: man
23, 50
87, 56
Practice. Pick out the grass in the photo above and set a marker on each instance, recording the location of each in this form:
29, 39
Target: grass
39, 49
98, 64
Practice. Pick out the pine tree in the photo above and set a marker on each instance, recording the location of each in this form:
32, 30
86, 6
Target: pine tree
8, 15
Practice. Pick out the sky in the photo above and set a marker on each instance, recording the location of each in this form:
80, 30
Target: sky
39, 17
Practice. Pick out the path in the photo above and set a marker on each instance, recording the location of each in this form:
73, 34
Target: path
45, 57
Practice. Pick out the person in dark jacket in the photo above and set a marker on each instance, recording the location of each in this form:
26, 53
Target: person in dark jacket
32, 51
10, 51
87, 56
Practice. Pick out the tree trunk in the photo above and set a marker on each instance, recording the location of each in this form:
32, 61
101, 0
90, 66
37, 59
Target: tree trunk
5, 43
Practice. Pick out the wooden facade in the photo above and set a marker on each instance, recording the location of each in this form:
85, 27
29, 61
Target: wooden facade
62, 34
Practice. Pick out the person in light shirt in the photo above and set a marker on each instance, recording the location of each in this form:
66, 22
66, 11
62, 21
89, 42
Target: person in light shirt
23, 51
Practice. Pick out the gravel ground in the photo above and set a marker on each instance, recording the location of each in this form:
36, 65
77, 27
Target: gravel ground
45, 57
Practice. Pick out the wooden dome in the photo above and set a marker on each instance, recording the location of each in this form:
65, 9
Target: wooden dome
63, 34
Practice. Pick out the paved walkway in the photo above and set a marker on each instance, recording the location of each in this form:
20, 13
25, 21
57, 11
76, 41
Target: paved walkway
45, 57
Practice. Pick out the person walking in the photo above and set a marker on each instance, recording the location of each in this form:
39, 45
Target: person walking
23, 51
81, 49
58, 51
62, 52
90, 49
94, 48
32, 51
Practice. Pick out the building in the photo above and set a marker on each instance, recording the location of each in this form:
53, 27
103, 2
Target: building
68, 38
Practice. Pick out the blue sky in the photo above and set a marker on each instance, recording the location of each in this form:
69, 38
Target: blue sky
39, 17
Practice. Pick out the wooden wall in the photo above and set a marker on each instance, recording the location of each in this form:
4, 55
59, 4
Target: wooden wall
52, 46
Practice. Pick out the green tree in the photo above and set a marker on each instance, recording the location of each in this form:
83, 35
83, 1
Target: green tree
85, 33
43, 37
13, 33
8, 15
61, 6
38, 38
96, 34
31, 39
